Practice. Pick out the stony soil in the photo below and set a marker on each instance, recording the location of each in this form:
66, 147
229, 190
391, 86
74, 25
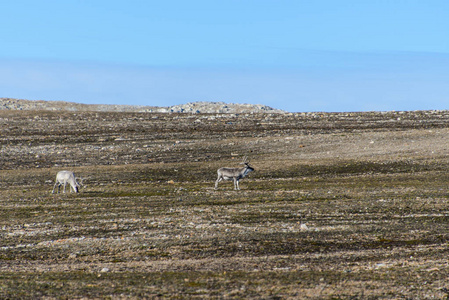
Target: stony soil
341, 206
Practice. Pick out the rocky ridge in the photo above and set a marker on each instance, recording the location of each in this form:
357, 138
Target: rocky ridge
193, 107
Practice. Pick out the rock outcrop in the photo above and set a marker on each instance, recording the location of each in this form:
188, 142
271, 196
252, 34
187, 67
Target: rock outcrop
193, 107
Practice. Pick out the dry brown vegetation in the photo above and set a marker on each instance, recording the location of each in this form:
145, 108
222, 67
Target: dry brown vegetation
341, 206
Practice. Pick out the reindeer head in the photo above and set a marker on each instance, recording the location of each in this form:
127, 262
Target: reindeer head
246, 163
249, 168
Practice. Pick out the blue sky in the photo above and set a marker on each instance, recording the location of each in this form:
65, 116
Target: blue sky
300, 55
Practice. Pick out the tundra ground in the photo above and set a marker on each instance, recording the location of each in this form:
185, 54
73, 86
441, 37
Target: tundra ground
340, 206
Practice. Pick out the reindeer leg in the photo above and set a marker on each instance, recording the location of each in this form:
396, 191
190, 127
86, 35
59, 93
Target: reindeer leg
54, 187
64, 188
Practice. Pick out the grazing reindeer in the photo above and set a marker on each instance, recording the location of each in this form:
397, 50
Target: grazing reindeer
234, 174
64, 177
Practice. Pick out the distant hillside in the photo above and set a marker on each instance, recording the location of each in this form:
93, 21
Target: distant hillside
194, 107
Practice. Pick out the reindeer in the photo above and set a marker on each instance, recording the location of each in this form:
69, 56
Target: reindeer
64, 177
234, 173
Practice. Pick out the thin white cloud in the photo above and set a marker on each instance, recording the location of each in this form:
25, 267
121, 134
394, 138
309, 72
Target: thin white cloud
382, 82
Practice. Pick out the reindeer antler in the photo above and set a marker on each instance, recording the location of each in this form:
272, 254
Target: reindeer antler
81, 179
245, 160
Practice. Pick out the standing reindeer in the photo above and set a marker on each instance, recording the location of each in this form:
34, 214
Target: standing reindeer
234, 173
64, 177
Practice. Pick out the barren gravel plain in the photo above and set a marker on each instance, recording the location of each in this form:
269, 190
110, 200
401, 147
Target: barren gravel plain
340, 206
